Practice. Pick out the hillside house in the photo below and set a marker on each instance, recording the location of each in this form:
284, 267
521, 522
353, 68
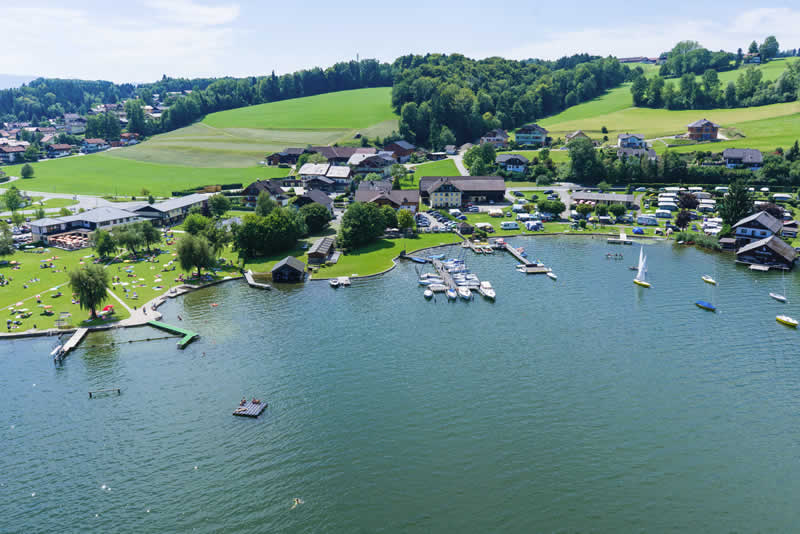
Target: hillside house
401, 150
289, 269
497, 137
628, 140
313, 170
271, 187
129, 138
742, 157
340, 174
531, 135
368, 163
173, 210
512, 162
58, 150
382, 194
703, 130
578, 134
756, 227
338, 155
10, 154
455, 191
285, 157
320, 183
772, 251
74, 124
94, 145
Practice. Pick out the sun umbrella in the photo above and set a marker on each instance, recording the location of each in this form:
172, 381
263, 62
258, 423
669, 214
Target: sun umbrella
109, 307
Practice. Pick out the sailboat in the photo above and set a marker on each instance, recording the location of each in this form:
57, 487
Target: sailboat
641, 270
780, 297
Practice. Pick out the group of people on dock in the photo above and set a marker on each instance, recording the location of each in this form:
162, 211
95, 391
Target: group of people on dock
254, 401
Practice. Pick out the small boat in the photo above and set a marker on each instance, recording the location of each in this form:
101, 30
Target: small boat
451, 294
464, 293
417, 259
641, 270
438, 288
779, 298
487, 290
708, 280
706, 305
334, 282
552, 275
428, 293
788, 321
422, 282
488, 250
633, 268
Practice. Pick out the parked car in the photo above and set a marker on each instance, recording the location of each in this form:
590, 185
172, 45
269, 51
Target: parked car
640, 189
624, 219
517, 193
549, 192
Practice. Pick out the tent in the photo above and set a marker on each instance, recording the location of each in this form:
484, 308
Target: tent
638, 231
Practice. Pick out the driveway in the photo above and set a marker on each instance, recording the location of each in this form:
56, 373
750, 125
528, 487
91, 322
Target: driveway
458, 159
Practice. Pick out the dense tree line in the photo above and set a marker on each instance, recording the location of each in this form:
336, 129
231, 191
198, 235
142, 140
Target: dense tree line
451, 96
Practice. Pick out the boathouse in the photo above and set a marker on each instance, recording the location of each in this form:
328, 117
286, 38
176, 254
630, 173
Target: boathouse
289, 269
771, 251
321, 250
756, 227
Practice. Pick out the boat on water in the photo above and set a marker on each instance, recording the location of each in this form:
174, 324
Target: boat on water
451, 294
708, 280
705, 305
488, 250
487, 290
641, 270
417, 259
428, 294
788, 321
334, 282
436, 257
551, 275
779, 298
464, 293
424, 282
438, 288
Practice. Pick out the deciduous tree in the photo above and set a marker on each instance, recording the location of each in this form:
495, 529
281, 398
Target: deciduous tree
218, 205
683, 219
6, 239
265, 204
316, 217
26, 171
90, 284
404, 219
103, 243
194, 252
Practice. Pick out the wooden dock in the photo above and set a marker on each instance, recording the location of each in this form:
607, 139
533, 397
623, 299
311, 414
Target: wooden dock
188, 336
60, 352
250, 409
248, 275
93, 394
444, 274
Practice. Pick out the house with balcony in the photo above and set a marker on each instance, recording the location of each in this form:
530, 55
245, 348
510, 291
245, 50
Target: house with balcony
703, 130
497, 137
771, 251
94, 145
742, 157
455, 191
629, 140
512, 162
756, 227
531, 135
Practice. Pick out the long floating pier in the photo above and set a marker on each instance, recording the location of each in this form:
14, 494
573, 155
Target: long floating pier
188, 335
248, 275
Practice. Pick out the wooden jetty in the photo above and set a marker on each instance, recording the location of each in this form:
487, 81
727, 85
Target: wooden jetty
60, 352
621, 240
93, 394
188, 336
250, 409
444, 274
248, 275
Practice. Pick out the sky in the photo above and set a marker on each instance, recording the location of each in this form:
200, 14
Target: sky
140, 40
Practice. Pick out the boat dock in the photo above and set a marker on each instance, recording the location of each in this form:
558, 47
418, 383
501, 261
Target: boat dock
93, 394
188, 336
250, 409
444, 274
621, 240
248, 275
534, 269
60, 352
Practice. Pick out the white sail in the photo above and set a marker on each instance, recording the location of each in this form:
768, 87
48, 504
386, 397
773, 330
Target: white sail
640, 274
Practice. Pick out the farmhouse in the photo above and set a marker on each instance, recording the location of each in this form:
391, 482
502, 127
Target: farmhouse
172, 210
401, 150
576, 135
367, 163
321, 183
286, 157
512, 162
742, 157
531, 134
381, 193
604, 198
314, 195
338, 155
446, 191
74, 124
313, 170
497, 137
58, 150
648, 153
756, 227
703, 130
94, 145
289, 269
271, 187
341, 174
772, 251
628, 140
64, 231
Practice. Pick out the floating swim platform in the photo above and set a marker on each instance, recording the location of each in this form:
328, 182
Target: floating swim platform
250, 409
188, 335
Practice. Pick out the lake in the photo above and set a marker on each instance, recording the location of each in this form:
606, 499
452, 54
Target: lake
585, 404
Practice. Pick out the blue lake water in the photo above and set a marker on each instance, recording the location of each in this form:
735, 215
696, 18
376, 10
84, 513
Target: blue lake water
586, 404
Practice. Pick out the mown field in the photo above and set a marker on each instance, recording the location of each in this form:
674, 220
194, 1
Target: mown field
103, 174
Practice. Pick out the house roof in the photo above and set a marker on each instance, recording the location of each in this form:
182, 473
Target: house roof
531, 127
292, 152
576, 133
764, 219
405, 145
272, 187
399, 197
314, 168
339, 171
702, 122
497, 132
331, 152
464, 184
322, 246
176, 203
775, 243
602, 197
629, 135
637, 152
95, 141
96, 215
12, 148
60, 146
290, 261
747, 155
321, 179
315, 195
503, 158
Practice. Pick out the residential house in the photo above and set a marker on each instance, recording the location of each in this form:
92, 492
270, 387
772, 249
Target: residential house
742, 157
455, 191
401, 150
289, 269
368, 163
648, 153
451, 150
531, 135
271, 187
772, 251
129, 138
74, 124
338, 155
286, 157
320, 183
465, 228
703, 130
94, 145
82, 223
578, 134
321, 250
381, 193
603, 198
58, 150
497, 137
10, 154
313, 170
790, 229
512, 162
628, 140
173, 210
311, 196
756, 227
753, 58
341, 174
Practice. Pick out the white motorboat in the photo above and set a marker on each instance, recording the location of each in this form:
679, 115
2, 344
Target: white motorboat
779, 298
487, 290
438, 288
464, 293
788, 321
452, 294
552, 275
334, 282
428, 294
708, 280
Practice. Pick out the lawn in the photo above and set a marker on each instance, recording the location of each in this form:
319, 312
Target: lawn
103, 174
558, 156
444, 167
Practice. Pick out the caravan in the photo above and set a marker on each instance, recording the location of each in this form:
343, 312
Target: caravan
509, 225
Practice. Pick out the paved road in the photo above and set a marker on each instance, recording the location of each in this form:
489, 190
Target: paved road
458, 159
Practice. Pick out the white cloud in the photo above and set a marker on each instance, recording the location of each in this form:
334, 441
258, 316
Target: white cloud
189, 12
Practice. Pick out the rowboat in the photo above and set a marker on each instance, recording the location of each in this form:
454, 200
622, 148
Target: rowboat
708, 280
705, 305
788, 321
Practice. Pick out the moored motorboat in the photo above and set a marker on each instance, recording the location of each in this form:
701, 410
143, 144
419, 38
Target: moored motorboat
428, 294
451, 294
487, 290
708, 280
788, 321
778, 297
334, 282
464, 293
551, 275
705, 305
438, 288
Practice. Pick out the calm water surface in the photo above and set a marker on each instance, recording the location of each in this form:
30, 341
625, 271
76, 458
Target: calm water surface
585, 404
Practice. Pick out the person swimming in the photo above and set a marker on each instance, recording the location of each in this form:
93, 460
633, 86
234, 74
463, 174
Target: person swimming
297, 502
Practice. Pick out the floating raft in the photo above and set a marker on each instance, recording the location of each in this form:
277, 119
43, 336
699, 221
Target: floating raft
250, 409
188, 336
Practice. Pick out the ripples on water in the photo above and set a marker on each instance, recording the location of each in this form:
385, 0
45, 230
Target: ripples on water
582, 404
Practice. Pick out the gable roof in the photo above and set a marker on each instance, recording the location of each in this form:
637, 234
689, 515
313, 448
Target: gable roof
775, 243
334, 152
12, 148
290, 261
464, 184
315, 195
576, 133
764, 219
176, 203
747, 155
405, 145
59, 146
503, 158
629, 135
323, 245
314, 168
339, 171
94, 141
96, 215
497, 132
531, 127
702, 122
